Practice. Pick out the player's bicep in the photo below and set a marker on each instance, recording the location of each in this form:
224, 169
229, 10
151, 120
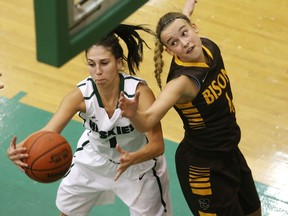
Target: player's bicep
166, 99
70, 105
154, 135
179, 88
146, 98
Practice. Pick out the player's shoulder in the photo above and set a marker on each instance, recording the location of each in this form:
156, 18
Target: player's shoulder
131, 83
85, 81
131, 78
210, 44
143, 87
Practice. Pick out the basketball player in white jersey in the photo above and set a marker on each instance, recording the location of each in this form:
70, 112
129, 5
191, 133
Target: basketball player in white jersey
112, 158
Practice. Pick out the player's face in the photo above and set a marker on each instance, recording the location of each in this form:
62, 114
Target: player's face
102, 66
180, 38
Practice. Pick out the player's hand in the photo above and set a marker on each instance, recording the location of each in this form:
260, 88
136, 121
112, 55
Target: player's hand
1, 85
16, 153
128, 107
189, 7
126, 160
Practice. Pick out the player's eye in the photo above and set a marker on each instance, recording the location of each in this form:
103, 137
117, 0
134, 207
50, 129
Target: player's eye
91, 63
174, 43
104, 62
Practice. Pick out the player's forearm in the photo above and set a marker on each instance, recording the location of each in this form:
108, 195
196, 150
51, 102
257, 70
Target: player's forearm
148, 153
142, 121
188, 8
154, 147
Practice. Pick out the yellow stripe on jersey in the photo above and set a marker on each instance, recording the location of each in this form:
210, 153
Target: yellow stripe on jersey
192, 114
190, 64
206, 214
201, 185
194, 64
199, 179
202, 192
208, 52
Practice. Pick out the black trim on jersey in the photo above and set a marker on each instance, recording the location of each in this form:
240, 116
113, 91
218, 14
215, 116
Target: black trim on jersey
134, 78
159, 184
129, 96
97, 95
92, 94
68, 170
121, 88
83, 84
82, 146
78, 149
84, 120
114, 161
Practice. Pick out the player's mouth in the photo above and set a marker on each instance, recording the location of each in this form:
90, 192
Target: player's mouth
190, 50
100, 81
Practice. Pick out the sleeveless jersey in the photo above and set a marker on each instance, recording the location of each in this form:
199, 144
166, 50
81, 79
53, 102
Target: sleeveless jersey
104, 132
209, 119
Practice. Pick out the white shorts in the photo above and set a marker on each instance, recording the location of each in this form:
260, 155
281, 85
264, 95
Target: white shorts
87, 186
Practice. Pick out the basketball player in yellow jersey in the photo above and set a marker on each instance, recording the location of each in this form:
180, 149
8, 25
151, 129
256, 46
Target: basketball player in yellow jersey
213, 174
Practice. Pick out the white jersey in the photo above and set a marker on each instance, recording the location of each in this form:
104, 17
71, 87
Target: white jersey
104, 132
143, 187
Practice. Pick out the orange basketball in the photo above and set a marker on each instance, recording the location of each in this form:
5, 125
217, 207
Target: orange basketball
50, 156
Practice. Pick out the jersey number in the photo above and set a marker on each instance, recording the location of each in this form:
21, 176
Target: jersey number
113, 142
231, 105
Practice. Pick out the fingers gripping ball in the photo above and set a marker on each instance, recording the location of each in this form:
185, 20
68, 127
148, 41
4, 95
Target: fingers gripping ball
50, 156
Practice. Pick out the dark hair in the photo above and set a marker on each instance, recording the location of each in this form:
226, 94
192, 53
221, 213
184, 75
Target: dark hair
133, 41
163, 22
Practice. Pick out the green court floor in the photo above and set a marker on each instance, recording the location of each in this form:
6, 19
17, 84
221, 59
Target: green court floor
20, 196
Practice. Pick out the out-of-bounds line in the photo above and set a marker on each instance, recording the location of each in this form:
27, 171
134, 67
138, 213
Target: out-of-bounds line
19, 95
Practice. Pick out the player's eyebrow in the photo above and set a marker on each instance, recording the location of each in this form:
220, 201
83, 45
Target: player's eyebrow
179, 30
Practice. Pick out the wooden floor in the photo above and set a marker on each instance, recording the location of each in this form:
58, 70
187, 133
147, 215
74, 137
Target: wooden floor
251, 34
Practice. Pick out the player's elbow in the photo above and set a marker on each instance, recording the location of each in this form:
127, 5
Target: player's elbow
159, 147
143, 129
161, 150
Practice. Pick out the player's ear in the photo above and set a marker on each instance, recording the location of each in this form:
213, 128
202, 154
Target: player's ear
120, 64
195, 28
170, 52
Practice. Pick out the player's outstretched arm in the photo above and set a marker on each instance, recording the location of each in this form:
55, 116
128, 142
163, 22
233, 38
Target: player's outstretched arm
189, 7
71, 103
129, 109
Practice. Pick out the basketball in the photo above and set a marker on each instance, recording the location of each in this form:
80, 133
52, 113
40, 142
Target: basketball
50, 156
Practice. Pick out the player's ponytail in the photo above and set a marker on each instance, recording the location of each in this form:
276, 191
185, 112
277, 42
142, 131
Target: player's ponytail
158, 62
134, 43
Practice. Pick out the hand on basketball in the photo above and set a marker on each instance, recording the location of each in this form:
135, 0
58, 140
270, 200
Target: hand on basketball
16, 153
128, 107
126, 160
